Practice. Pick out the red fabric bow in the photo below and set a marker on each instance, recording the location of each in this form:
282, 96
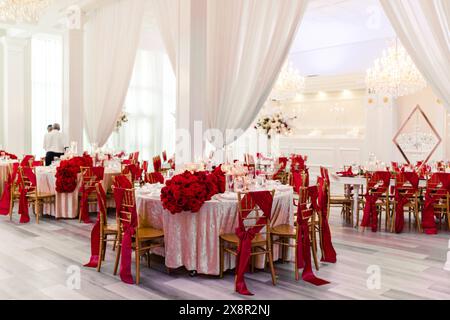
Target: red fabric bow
374, 192
95, 233
264, 200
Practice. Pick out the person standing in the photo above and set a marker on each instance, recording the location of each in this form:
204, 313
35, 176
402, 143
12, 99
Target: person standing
54, 144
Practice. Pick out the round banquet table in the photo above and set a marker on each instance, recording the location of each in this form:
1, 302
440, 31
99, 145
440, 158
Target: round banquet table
5, 168
192, 239
66, 204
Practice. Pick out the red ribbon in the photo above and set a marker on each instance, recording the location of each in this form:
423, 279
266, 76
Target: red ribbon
264, 200
24, 190
95, 233
431, 197
304, 243
402, 196
5, 201
374, 192
122, 183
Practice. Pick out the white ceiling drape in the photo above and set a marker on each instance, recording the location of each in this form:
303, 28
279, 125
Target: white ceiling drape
423, 26
247, 45
112, 35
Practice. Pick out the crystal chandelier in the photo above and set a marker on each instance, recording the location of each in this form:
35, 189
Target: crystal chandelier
22, 10
394, 74
289, 84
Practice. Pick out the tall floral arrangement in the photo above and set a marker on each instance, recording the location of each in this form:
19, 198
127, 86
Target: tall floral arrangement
123, 118
276, 123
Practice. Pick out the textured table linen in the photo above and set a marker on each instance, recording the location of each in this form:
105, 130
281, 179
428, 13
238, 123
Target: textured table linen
192, 239
66, 204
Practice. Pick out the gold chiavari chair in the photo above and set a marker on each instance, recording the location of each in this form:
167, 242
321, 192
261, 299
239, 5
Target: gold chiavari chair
106, 229
249, 214
34, 197
287, 234
145, 238
383, 203
88, 182
15, 193
438, 189
411, 193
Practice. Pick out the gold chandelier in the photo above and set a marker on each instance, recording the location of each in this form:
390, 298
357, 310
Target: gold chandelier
289, 84
394, 74
22, 10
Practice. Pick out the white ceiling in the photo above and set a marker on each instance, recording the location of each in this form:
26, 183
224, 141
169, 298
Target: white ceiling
340, 37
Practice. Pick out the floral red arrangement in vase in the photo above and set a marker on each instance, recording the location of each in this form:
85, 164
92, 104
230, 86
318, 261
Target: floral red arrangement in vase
67, 173
189, 191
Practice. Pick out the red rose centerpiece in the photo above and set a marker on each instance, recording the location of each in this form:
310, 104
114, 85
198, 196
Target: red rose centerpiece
67, 173
188, 191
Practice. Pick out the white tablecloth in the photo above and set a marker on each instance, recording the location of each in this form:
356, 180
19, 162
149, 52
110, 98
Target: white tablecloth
192, 239
66, 204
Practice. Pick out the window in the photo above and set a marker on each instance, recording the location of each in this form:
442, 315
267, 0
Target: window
150, 107
46, 87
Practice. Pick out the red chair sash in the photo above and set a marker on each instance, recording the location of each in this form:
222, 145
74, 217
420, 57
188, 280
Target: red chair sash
402, 194
154, 177
304, 242
97, 174
26, 161
95, 233
297, 164
24, 190
282, 163
157, 164
437, 188
128, 232
378, 184
5, 201
264, 200
164, 156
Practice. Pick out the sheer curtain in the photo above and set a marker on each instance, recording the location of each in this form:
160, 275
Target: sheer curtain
247, 44
423, 26
112, 35
150, 107
46, 87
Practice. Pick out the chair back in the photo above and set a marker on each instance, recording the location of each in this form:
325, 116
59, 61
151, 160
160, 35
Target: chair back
297, 163
27, 161
249, 159
27, 178
90, 176
438, 184
101, 198
407, 184
164, 155
125, 206
157, 163
145, 166
378, 183
304, 211
154, 177
298, 180
254, 210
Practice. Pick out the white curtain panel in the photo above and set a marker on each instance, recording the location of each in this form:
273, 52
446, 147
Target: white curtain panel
423, 27
247, 45
112, 35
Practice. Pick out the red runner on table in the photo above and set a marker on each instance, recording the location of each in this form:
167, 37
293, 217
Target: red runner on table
264, 200
95, 233
377, 185
402, 195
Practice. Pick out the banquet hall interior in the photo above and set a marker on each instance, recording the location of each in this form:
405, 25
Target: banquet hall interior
225, 149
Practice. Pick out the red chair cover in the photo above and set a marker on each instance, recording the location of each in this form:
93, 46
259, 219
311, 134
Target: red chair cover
128, 229
297, 163
378, 184
264, 200
95, 176
156, 164
164, 156
304, 243
402, 194
437, 187
154, 177
135, 170
5, 201
282, 162
145, 166
95, 233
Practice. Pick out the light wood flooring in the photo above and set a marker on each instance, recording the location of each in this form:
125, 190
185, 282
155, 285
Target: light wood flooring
34, 260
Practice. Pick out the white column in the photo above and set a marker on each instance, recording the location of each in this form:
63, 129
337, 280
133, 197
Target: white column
17, 95
73, 124
191, 79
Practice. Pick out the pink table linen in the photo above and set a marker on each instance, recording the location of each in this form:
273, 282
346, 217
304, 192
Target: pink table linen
192, 239
66, 204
